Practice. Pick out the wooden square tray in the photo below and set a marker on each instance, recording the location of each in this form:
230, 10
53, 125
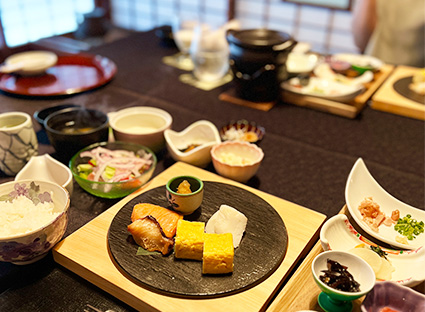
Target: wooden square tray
348, 110
85, 252
387, 99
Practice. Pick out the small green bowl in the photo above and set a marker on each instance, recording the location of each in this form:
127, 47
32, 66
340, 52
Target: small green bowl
334, 300
113, 189
185, 203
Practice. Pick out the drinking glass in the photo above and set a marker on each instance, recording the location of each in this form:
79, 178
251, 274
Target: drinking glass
183, 28
209, 52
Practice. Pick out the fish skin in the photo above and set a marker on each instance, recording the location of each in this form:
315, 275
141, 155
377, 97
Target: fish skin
166, 218
148, 234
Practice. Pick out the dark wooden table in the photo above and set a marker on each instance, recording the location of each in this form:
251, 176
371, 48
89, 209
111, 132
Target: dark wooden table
308, 156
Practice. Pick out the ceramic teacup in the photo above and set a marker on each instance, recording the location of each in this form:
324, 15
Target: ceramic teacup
18, 142
185, 203
141, 125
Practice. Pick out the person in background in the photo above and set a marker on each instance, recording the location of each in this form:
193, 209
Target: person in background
391, 30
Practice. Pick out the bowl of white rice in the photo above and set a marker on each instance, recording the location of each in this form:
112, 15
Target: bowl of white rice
33, 218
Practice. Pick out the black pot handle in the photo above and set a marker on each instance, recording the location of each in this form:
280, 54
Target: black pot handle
258, 73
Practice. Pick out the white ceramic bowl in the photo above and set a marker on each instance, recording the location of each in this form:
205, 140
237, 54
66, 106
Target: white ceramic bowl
238, 161
33, 245
357, 267
30, 63
202, 133
46, 168
141, 125
361, 184
298, 63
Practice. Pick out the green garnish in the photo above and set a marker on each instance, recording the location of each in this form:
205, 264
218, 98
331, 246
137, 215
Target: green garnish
409, 227
379, 251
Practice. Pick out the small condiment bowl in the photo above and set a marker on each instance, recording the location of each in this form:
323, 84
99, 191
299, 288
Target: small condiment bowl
185, 203
202, 134
33, 241
46, 168
242, 130
331, 299
141, 125
71, 129
236, 160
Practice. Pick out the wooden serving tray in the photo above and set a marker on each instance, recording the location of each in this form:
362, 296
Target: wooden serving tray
348, 110
387, 99
85, 252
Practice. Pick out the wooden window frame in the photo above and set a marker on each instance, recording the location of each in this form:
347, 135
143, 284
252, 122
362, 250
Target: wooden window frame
346, 7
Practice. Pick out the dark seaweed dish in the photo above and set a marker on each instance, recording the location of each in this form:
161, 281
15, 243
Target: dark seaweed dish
337, 276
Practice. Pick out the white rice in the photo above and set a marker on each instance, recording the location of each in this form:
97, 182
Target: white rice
22, 216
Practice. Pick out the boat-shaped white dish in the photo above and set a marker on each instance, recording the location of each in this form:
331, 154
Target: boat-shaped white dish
323, 88
46, 168
203, 134
338, 234
360, 184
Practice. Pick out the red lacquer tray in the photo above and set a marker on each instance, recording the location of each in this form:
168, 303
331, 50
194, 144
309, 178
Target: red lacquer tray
72, 74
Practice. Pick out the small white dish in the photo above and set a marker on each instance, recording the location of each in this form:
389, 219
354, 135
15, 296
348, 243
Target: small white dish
46, 168
142, 125
29, 63
338, 234
298, 63
323, 88
360, 184
202, 133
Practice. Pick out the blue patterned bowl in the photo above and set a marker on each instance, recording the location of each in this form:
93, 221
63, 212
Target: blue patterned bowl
26, 240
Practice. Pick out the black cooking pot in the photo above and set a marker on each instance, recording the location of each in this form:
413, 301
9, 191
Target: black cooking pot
258, 61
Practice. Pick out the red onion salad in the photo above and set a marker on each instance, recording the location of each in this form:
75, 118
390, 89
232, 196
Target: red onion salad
113, 165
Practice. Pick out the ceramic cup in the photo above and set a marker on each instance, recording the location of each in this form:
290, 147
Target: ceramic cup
18, 142
185, 203
142, 125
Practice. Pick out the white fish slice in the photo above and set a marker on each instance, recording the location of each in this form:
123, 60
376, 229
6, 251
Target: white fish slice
228, 220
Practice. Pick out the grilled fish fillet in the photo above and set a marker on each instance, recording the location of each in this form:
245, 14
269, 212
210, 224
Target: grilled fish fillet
148, 234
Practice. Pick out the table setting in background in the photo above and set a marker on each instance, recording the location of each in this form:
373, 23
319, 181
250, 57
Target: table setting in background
298, 158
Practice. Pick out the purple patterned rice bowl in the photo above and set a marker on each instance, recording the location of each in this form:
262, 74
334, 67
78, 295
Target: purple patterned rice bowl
29, 247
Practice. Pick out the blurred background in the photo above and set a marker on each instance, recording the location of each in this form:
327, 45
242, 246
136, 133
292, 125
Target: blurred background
79, 24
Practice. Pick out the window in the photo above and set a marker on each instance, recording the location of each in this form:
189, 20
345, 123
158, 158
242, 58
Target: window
26, 21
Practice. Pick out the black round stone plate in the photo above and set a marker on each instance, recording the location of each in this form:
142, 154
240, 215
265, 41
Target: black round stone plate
262, 248
402, 87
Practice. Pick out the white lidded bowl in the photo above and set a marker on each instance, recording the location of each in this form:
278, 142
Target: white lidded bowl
236, 160
46, 168
142, 125
25, 247
202, 133
30, 63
